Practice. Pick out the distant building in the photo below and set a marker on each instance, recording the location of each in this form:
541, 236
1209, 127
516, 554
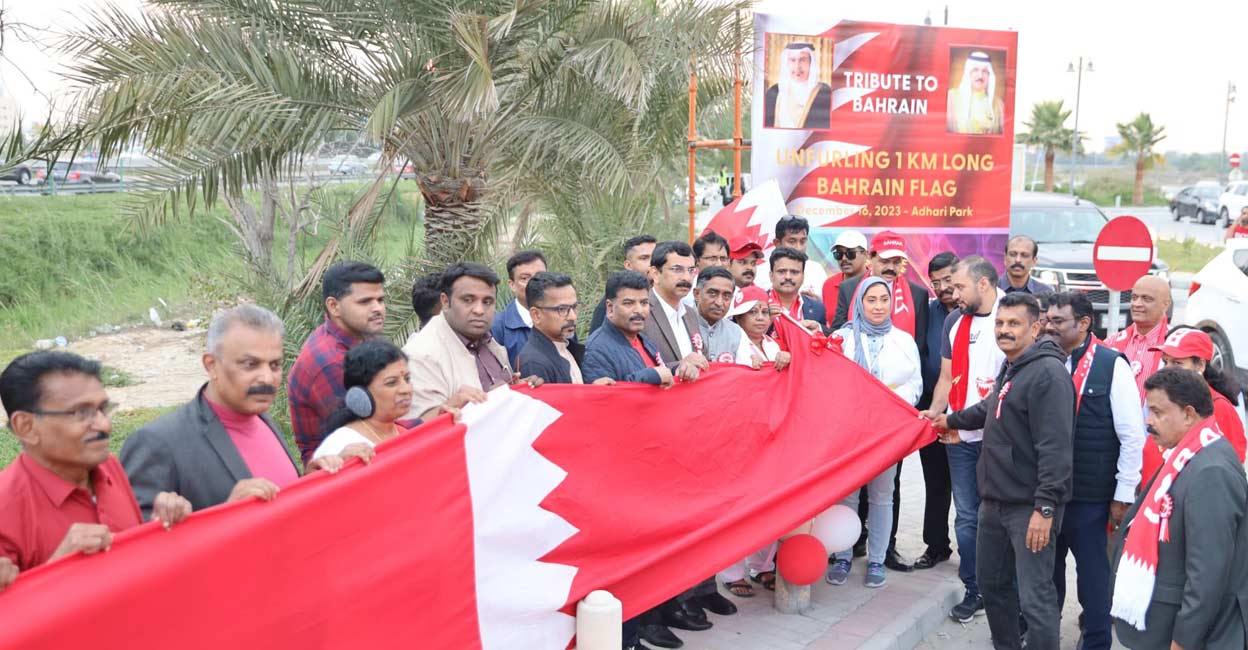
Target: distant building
8, 113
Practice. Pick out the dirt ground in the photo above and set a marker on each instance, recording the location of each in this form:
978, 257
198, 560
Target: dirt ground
164, 364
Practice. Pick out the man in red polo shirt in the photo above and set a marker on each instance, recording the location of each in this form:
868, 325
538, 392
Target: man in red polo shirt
65, 493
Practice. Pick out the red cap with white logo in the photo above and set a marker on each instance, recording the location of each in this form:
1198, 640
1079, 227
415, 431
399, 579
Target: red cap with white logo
888, 244
745, 299
742, 248
1186, 342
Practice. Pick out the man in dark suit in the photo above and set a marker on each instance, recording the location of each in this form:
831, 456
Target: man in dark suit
672, 326
552, 351
513, 324
221, 446
787, 272
1189, 590
910, 304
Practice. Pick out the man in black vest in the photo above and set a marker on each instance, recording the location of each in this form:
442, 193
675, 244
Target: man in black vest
1108, 441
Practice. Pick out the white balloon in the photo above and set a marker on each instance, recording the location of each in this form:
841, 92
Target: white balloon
837, 527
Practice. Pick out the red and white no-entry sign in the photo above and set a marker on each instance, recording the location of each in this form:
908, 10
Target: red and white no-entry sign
1123, 253
1235, 160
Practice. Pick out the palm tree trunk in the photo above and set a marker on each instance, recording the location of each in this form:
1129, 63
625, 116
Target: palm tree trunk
1137, 194
1049, 156
453, 216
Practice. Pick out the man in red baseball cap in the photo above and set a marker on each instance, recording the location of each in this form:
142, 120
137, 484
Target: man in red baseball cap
744, 255
1192, 349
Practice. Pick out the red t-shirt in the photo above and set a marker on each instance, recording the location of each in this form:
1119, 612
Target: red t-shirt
641, 349
1227, 417
831, 293
1236, 232
37, 507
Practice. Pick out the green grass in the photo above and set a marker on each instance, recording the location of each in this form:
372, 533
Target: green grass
69, 264
1101, 190
1186, 256
124, 423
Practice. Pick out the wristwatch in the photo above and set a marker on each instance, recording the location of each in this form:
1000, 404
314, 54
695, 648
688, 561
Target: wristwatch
1045, 511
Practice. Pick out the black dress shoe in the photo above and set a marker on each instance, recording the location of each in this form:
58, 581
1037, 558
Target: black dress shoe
894, 563
717, 604
929, 560
682, 620
860, 550
693, 608
659, 635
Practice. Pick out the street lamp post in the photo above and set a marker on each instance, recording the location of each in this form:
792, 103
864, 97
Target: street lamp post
1074, 138
1230, 98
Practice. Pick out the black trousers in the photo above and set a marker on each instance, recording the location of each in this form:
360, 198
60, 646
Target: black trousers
863, 507
1012, 578
939, 490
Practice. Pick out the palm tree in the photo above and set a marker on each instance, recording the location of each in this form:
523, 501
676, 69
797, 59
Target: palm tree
495, 103
1139, 136
1048, 131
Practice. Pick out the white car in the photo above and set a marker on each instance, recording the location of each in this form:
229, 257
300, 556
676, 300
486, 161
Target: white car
1234, 199
1218, 304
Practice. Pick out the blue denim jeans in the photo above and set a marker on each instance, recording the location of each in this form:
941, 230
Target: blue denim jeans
880, 517
963, 457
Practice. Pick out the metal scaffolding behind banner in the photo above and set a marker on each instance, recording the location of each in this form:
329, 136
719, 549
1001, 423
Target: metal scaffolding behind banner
738, 143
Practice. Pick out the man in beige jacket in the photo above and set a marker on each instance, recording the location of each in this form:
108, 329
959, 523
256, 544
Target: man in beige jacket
453, 359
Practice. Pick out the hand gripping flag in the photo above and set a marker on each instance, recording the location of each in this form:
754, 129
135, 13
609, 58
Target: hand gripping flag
485, 534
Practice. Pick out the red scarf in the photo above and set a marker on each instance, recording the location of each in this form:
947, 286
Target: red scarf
903, 306
961, 363
1137, 570
795, 310
1080, 374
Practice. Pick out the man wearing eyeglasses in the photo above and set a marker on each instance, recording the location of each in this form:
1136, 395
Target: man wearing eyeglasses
65, 493
850, 253
671, 325
708, 250
552, 351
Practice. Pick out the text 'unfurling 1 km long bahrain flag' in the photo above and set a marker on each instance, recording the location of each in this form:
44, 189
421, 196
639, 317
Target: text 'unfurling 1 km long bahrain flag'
872, 126
485, 534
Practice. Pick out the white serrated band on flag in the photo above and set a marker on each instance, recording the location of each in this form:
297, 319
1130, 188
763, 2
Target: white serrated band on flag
1124, 253
518, 596
843, 49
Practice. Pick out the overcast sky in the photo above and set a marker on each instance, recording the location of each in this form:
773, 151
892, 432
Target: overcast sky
1172, 60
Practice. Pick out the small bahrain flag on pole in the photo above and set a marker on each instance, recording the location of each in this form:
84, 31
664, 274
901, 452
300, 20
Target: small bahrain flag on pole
485, 534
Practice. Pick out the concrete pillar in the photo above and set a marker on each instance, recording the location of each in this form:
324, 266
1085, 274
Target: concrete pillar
791, 599
598, 619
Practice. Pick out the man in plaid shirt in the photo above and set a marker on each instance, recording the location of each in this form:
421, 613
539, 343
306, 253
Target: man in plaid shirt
355, 309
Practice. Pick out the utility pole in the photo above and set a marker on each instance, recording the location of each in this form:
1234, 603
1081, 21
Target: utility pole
1230, 98
1074, 137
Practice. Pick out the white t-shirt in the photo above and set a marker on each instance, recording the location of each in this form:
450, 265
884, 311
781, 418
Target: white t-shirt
986, 358
340, 439
745, 356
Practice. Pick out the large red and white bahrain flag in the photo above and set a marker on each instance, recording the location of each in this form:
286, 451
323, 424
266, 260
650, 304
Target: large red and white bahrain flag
485, 534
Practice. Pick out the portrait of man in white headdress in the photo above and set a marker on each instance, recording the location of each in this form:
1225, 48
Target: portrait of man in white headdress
973, 105
798, 99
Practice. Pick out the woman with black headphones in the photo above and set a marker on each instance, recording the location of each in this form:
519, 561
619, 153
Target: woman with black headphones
379, 394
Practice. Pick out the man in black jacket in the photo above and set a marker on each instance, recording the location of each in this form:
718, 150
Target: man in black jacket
1024, 473
552, 351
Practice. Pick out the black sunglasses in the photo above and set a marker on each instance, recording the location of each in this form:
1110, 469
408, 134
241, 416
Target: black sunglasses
849, 254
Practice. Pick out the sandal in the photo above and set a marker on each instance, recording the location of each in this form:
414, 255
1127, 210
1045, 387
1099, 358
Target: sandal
767, 579
740, 588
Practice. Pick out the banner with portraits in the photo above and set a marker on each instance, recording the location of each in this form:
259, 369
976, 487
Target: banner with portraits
876, 126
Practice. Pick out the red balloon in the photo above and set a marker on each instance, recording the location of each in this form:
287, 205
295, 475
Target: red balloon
802, 559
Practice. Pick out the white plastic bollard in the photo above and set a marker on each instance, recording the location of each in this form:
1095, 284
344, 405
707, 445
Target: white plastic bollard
598, 619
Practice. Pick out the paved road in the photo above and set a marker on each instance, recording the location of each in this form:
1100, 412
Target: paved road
1163, 223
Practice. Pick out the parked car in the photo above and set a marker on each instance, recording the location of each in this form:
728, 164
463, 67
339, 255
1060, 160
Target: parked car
64, 173
21, 172
1234, 199
346, 165
1199, 202
1218, 304
1065, 228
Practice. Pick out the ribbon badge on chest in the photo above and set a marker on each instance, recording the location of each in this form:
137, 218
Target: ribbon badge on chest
1005, 390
